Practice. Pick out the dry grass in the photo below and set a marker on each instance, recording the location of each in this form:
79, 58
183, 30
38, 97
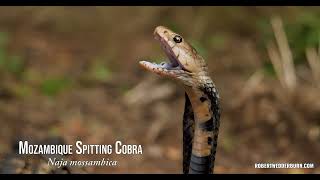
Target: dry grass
313, 58
281, 56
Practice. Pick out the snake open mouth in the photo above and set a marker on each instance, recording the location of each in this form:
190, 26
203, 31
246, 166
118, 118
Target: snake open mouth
165, 68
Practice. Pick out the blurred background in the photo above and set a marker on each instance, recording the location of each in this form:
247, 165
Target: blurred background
73, 72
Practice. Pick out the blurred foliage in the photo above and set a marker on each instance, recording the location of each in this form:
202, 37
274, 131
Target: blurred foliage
303, 32
15, 65
199, 48
3, 42
3, 38
158, 59
12, 64
53, 86
228, 143
269, 69
217, 41
97, 72
22, 90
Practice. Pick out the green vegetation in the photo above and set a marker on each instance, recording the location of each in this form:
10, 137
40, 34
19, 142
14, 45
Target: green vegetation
217, 41
269, 70
99, 72
301, 33
12, 64
53, 86
15, 65
200, 48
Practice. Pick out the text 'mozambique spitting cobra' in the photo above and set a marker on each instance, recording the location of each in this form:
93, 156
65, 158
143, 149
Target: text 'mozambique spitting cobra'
201, 117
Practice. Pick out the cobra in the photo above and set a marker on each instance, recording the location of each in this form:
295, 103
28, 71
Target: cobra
201, 118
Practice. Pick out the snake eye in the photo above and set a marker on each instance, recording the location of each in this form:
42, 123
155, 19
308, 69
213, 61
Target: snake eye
177, 39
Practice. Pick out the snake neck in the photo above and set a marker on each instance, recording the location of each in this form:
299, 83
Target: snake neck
205, 106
